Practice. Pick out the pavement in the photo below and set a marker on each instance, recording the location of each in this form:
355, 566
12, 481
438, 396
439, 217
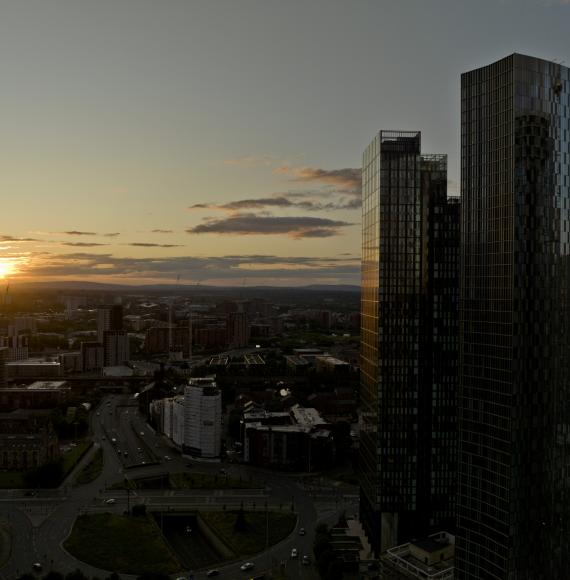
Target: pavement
41, 523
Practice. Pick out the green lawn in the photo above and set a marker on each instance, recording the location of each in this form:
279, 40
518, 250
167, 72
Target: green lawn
12, 480
92, 470
123, 544
70, 458
261, 529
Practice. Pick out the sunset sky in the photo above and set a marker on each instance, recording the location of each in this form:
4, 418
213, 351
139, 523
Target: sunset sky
221, 140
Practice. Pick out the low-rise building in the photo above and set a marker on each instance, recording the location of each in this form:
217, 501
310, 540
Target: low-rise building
299, 440
38, 395
33, 368
430, 558
27, 439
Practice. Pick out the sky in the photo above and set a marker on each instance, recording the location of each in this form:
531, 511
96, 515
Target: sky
220, 141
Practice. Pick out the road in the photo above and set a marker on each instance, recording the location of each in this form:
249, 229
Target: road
41, 523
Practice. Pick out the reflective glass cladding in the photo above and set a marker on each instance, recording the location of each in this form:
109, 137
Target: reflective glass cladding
514, 421
410, 237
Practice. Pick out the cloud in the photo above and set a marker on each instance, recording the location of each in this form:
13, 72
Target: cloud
112, 235
159, 231
247, 224
77, 233
348, 179
223, 269
82, 244
4, 238
151, 245
282, 201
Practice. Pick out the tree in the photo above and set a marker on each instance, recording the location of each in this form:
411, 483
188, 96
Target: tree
324, 561
113, 576
77, 575
153, 576
241, 524
53, 576
139, 510
26, 577
334, 571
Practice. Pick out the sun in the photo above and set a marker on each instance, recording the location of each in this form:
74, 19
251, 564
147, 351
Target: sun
6, 268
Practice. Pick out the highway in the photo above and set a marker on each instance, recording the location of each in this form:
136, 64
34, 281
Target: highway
41, 523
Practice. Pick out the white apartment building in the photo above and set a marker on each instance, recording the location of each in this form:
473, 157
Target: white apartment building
173, 419
202, 417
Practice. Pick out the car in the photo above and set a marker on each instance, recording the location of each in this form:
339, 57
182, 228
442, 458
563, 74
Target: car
103, 438
294, 553
247, 566
210, 573
110, 501
306, 560
126, 453
302, 532
188, 530
142, 433
37, 567
98, 414
167, 458
223, 472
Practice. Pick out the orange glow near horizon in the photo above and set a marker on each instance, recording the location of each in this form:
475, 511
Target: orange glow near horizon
8, 267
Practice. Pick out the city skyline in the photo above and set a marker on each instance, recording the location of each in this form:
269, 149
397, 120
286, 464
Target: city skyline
221, 143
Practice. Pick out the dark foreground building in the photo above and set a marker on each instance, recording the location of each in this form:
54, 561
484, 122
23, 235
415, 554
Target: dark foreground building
409, 352
514, 400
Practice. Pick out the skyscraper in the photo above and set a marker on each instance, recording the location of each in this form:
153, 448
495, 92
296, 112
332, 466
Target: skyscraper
410, 279
514, 399
109, 318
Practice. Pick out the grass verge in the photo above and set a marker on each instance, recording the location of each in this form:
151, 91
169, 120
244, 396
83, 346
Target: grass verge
92, 470
71, 458
261, 529
123, 544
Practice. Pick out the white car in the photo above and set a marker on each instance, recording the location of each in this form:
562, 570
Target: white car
246, 566
294, 553
110, 501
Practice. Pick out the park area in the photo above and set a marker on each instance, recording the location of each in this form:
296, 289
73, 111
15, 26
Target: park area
165, 542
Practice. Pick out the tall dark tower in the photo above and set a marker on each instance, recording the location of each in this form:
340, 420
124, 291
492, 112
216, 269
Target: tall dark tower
514, 399
409, 338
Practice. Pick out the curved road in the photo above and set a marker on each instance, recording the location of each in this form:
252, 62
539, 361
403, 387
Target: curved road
41, 523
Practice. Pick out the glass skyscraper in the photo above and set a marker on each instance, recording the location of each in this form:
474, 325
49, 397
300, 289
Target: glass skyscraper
514, 400
409, 350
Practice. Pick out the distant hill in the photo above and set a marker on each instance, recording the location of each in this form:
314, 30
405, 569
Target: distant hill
181, 288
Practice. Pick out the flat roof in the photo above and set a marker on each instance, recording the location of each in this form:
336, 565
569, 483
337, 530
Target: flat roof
46, 385
33, 362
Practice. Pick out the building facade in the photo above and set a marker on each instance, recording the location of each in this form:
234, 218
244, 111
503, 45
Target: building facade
514, 398
409, 341
115, 347
109, 318
203, 418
